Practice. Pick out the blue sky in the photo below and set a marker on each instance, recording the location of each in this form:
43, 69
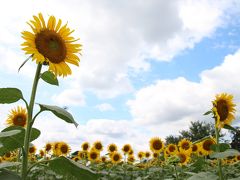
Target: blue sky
139, 73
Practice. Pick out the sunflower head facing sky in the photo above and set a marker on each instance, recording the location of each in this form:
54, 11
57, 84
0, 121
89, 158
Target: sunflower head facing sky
51, 43
223, 109
17, 117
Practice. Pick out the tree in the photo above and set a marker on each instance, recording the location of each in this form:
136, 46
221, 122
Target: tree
235, 144
196, 131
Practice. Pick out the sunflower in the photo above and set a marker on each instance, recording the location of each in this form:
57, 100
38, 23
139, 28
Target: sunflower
8, 156
17, 117
223, 109
32, 149
237, 158
63, 148
183, 158
116, 157
93, 155
155, 154
141, 155
85, 146
48, 147
55, 148
147, 154
206, 144
111, 148
75, 158
185, 145
156, 144
98, 146
103, 159
126, 148
82, 154
41, 153
51, 44
172, 148
131, 159
195, 148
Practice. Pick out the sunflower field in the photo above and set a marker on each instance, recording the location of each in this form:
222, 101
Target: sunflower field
50, 44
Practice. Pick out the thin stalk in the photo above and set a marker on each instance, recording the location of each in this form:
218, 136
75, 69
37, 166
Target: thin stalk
175, 168
29, 126
220, 173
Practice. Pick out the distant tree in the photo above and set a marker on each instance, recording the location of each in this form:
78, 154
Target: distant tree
235, 144
172, 139
196, 131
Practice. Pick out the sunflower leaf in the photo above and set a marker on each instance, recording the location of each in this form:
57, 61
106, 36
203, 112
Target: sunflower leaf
222, 147
12, 138
6, 174
8, 164
207, 113
65, 166
59, 112
10, 95
229, 127
225, 154
24, 62
203, 176
50, 78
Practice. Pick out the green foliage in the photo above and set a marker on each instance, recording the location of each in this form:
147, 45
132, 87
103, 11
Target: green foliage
235, 144
225, 154
221, 147
12, 138
8, 164
204, 176
67, 167
50, 78
8, 175
10, 95
59, 112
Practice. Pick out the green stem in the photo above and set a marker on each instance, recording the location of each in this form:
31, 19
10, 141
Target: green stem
220, 173
175, 168
29, 126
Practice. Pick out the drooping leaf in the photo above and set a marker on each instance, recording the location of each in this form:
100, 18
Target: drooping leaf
59, 112
9, 175
8, 164
207, 113
229, 127
12, 138
50, 78
204, 176
24, 62
225, 154
65, 166
222, 147
10, 95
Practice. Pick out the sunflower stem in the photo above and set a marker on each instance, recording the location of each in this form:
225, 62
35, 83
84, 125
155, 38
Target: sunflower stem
220, 173
175, 169
29, 126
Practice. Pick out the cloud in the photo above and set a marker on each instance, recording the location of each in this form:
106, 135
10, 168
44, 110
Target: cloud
117, 41
105, 107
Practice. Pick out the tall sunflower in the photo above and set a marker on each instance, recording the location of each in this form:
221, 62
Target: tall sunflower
223, 109
126, 148
185, 145
85, 146
172, 148
17, 117
112, 147
93, 155
184, 158
52, 44
156, 144
98, 146
206, 144
63, 148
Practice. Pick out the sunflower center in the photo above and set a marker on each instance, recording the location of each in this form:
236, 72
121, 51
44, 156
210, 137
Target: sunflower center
155, 155
157, 145
147, 154
182, 158
171, 148
93, 155
19, 120
222, 109
207, 144
116, 157
126, 148
64, 149
112, 148
185, 146
48, 147
85, 147
31, 150
98, 146
51, 46
194, 147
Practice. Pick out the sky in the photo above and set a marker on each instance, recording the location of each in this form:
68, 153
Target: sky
148, 68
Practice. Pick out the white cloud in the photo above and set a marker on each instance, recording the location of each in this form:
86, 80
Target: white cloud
115, 39
105, 107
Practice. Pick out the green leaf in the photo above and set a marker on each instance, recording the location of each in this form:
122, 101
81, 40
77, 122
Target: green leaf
8, 164
65, 166
10, 95
12, 138
207, 113
50, 78
222, 147
9, 175
225, 154
204, 176
24, 62
59, 112
229, 128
